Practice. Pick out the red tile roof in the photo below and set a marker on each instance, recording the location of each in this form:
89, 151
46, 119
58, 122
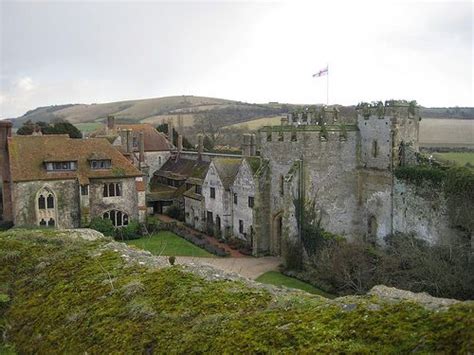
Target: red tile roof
28, 155
154, 140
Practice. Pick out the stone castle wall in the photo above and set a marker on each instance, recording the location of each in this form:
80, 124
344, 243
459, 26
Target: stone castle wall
330, 174
423, 211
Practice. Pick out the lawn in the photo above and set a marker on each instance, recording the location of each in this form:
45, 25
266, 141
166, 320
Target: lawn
460, 158
169, 244
278, 279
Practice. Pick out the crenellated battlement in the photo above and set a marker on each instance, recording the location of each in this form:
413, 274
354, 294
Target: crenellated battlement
312, 116
391, 108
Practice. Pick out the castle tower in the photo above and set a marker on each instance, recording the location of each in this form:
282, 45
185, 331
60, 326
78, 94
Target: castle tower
388, 132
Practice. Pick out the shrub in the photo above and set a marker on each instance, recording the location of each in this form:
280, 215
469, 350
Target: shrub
104, 226
153, 224
172, 260
131, 231
174, 212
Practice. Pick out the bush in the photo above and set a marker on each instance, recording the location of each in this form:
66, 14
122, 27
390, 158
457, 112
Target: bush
174, 212
104, 226
406, 262
131, 231
153, 224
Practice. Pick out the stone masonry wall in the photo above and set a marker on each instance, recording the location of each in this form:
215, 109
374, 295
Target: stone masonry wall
422, 210
244, 187
221, 204
195, 213
66, 202
127, 203
330, 174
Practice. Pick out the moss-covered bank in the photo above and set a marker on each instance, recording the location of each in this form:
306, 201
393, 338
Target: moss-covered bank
72, 296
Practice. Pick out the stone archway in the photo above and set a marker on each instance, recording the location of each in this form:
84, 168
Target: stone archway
277, 232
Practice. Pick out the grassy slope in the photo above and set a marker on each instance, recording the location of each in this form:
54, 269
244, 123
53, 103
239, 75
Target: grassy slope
167, 243
71, 297
278, 279
460, 158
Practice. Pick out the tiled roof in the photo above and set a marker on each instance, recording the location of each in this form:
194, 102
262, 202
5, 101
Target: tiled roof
29, 153
183, 168
227, 168
154, 140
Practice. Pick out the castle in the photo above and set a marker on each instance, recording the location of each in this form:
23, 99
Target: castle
342, 171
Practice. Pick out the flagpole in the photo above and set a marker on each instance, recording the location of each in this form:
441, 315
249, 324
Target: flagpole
327, 88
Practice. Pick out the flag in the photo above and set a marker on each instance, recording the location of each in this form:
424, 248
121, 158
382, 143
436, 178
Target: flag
322, 72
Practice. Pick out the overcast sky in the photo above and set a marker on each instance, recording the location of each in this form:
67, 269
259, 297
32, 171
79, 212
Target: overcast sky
70, 52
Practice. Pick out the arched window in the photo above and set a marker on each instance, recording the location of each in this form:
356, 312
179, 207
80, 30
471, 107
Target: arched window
111, 189
118, 218
46, 207
50, 201
41, 202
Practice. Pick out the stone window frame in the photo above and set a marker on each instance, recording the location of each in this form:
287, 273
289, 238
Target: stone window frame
236, 200
118, 217
251, 201
241, 226
112, 189
85, 190
375, 148
46, 207
212, 193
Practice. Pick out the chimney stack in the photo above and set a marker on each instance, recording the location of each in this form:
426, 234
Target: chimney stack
5, 133
129, 141
246, 144
200, 146
123, 139
141, 145
170, 132
253, 145
110, 122
180, 143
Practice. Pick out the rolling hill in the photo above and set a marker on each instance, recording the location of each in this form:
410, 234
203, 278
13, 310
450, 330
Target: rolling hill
154, 111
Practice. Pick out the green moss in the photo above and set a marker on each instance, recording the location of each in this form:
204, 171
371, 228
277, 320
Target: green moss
72, 296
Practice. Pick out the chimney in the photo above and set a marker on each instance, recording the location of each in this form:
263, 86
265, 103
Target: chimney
253, 145
129, 141
180, 143
200, 146
123, 139
110, 122
246, 145
5, 132
170, 132
141, 145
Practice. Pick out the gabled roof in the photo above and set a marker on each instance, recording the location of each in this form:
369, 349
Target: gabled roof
28, 155
227, 169
154, 140
182, 169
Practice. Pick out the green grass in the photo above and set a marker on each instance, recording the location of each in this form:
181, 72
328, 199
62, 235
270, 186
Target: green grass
88, 126
459, 158
278, 279
167, 243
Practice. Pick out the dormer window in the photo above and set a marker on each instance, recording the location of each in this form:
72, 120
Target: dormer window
101, 164
61, 166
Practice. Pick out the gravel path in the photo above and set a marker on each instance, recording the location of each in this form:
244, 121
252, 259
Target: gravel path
247, 267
